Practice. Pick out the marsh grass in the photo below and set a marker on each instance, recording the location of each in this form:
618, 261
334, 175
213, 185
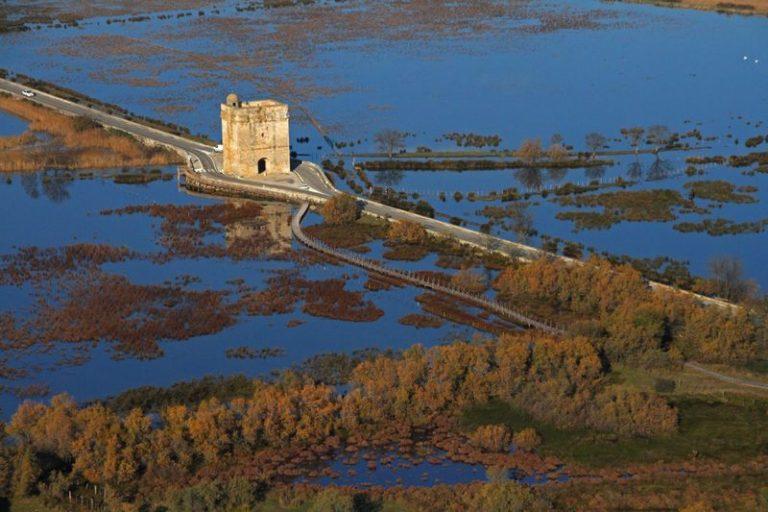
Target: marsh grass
75, 142
717, 190
658, 205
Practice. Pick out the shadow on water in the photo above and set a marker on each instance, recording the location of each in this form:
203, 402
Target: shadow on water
54, 185
635, 170
594, 173
530, 178
659, 170
556, 175
389, 178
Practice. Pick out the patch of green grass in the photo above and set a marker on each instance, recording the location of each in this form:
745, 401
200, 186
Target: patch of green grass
29, 504
731, 430
758, 366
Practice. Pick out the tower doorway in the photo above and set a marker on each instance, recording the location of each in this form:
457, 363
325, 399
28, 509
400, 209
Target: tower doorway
262, 166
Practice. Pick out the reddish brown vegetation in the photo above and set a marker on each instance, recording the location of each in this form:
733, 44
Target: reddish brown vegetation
450, 310
326, 298
421, 321
35, 264
376, 283
407, 232
329, 299
95, 307
347, 236
183, 229
403, 252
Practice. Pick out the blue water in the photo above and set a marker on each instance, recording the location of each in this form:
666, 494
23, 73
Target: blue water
638, 65
392, 468
76, 218
427, 73
11, 125
401, 471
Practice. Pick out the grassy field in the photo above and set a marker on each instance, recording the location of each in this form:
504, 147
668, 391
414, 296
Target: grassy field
31, 504
688, 382
731, 429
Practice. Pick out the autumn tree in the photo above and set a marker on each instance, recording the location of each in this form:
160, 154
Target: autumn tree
530, 151
557, 153
492, 438
26, 473
469, 280
595, 142
407, 232
340, 209
633, 413
635, 329
728, 279
635, 135
527, 439
389, 141
556, 139
659, 136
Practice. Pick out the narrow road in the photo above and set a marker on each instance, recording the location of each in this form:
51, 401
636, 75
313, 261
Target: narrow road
727, 378
311, 184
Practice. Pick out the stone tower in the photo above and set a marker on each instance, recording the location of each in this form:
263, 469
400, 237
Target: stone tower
255, 137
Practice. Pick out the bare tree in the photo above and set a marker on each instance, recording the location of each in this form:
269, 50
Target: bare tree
728, 278
556, 139
390, 141
659, 136
635, 135
635, 170
595, 142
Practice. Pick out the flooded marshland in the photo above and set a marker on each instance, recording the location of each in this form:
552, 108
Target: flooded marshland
518, 70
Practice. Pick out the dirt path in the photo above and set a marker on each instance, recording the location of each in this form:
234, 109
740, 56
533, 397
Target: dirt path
727, 378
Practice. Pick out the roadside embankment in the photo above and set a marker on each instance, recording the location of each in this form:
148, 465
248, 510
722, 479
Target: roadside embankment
56, 140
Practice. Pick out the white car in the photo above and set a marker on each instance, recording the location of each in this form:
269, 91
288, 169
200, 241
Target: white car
27, 93
218, 148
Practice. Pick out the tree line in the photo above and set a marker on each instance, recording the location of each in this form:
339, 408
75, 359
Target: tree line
60, 448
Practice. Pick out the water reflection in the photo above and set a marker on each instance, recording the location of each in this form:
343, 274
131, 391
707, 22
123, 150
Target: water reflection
659, 170
277, 225
55, 185
594, 173
530, 178
389, 178
635, 170
29, 184
556, 175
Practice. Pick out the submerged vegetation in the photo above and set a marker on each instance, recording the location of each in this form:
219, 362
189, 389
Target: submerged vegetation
721, 191
721, 227
632, 206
